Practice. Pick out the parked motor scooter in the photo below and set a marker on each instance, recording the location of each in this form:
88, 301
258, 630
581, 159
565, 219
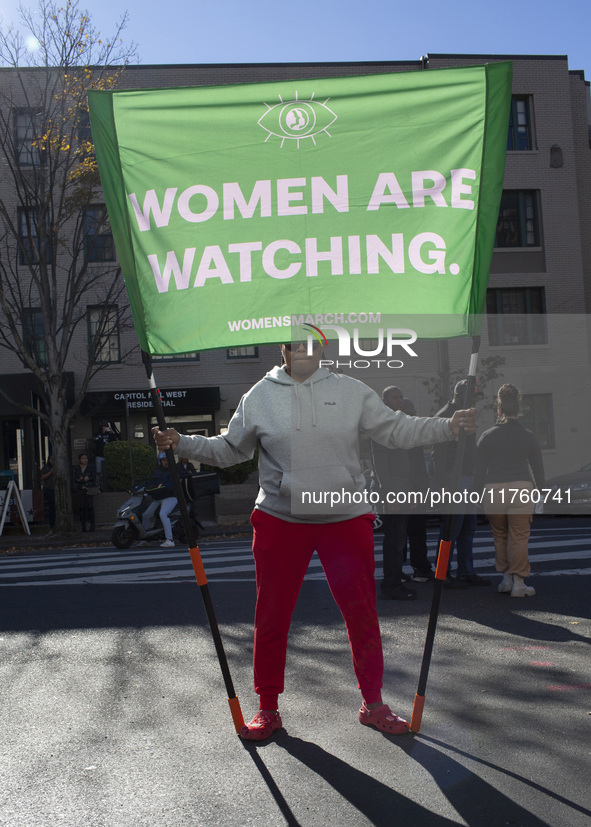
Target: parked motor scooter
129, 528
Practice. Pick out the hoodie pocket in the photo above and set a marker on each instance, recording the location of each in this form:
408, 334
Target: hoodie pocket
326, 490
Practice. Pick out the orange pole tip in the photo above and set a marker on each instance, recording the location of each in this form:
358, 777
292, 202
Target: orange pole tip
198, 566
443, 559
236, 713
417, 713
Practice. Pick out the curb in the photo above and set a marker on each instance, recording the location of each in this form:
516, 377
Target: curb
14, 540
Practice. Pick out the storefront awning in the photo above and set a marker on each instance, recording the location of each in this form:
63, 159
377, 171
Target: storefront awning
174, 400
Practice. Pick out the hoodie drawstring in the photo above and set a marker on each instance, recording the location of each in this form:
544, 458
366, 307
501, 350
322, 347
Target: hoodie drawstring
299, 414
296, 389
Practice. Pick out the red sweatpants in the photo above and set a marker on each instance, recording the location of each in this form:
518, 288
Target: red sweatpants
282, 553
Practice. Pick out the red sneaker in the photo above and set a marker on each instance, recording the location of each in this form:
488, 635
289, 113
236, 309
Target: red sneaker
383, 719
262, 726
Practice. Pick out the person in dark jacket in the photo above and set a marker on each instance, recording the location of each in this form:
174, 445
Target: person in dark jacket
162, 490
84, 480
105, 435
186, 468
399, 471
464, 521
416, 529
507, 458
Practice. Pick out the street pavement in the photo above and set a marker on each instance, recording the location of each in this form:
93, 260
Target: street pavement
114, 714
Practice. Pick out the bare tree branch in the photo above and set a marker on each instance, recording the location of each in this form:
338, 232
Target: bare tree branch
52, 268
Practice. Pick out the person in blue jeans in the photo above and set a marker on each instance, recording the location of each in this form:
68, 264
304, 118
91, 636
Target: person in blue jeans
162, 492
464, 522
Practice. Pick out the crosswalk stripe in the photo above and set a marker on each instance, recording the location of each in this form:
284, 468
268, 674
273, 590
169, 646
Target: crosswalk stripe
231, 561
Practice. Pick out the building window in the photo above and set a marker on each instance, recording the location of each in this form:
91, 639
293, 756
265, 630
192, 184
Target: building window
34, 334
519, 137
98, 238
537, 417
84, 130
28, 230
248, 352
28, 125
103, 333
516, 316
518, 224
177, 357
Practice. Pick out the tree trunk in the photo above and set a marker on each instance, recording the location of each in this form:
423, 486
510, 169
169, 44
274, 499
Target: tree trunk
58, 435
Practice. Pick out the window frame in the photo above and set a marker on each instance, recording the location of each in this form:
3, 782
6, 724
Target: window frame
516, 128
237, 357
33, 332
99, 247
27, 240
527, 201
84, 131
25, 154
194, 356
110, 337
500, 321
540, 422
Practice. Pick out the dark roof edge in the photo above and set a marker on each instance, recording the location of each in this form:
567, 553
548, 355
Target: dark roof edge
313, 63
273, 64
310, 63
495, 57
580, 73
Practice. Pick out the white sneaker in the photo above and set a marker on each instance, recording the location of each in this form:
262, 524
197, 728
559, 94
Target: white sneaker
506, 583
167, 544
520, 589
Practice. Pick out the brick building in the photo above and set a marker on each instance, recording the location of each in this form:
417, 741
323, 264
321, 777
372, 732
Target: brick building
540, 285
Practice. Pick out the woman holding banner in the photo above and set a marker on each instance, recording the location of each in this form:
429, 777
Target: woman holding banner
307, 423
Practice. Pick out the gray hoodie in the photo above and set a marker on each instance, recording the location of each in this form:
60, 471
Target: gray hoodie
309, 439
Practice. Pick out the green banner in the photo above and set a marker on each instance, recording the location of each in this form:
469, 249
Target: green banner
240, 210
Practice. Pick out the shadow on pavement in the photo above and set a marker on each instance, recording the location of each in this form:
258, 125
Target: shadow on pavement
474, 799
97, 606
373, 799
252, 748
502, 614
477, 801
538, 787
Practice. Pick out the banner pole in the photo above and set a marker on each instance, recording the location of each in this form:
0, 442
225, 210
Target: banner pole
195, 553
444, 549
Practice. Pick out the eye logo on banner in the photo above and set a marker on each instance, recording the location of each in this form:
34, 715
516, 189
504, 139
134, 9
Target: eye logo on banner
297, 119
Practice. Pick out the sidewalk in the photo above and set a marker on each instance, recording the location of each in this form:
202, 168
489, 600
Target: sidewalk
14, 539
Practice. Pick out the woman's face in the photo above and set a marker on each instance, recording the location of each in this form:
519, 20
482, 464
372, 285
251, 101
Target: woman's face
297, 362
83, 459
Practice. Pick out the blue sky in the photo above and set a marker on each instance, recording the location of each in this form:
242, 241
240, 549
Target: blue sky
237, 31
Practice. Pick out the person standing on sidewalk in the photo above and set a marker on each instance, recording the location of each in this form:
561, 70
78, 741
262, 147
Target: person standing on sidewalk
84, 481
395, 472
416, 529
105, 435
464, 522
507, 458
307, 424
